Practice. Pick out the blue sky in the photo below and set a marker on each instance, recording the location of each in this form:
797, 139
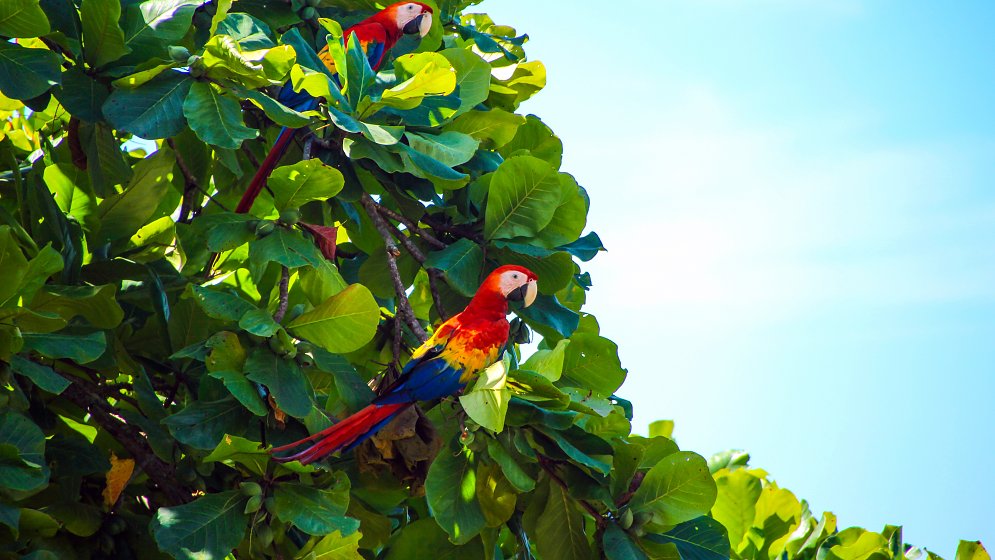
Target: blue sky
798, 198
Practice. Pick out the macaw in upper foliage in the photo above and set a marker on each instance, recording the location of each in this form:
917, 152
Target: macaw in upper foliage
460, 348
377, 34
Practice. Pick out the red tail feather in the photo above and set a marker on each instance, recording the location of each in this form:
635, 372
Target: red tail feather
259, 179
341, 435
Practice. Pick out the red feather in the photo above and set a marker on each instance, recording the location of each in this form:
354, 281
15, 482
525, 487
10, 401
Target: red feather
341, 435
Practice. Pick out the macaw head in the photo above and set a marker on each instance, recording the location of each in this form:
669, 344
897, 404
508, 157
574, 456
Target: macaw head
411, 17
515, 283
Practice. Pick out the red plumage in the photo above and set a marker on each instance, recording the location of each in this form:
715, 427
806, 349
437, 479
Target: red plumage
459, 349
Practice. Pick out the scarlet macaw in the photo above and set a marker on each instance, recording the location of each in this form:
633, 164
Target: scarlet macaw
459, 349
377, 34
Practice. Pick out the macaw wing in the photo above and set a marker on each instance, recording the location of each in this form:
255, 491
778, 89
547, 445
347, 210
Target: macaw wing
428, 374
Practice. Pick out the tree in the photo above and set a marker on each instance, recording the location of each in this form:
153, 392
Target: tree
154, 343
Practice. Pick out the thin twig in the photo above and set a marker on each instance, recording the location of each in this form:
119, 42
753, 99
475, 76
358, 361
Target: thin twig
281, 309
546, 464
434, 276
190, 182
130, 437
403, 304
412, 227
459, 231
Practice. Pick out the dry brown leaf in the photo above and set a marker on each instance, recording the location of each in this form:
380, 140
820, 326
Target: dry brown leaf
117, 479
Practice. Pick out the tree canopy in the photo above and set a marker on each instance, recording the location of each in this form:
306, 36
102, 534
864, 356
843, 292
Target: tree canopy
154, 343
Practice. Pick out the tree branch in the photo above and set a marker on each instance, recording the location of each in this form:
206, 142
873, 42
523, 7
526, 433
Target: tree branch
433, 275
130, 437
281, 309
412, 227
403, 305
191, 184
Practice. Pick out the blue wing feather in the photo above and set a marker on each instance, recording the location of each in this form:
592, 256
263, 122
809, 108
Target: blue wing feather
424, 380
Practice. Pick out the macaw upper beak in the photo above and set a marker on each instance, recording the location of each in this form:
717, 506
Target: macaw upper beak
525, 293
420, 25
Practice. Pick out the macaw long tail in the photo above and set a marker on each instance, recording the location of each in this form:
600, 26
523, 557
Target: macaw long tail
259, 179
344, 435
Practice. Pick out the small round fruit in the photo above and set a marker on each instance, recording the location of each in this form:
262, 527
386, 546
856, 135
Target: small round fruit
290, 217
265, 228
309, 13
179, 53
253, 504
626, 520
250, 488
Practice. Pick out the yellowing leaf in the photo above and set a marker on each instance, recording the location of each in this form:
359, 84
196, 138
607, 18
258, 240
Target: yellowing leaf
117, 479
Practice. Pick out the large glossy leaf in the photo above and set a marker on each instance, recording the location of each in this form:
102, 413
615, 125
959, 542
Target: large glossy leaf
26, 73
302, 182
618, 545
283, 378
82, 95
702, 538
22, 18
82, 349
451, 493
460, 263
486, 402
342, 323
121, 215
425, 535
216, 118
522, 198
473, 77
679, 488
316, 511
202, 424
96, 304
559, 531
152, 110
735, 504
286, 247
592, 362
103, 38
22, 453
42, 376
209, 527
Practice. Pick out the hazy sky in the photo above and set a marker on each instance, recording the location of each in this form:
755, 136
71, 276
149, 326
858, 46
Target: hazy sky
798, 198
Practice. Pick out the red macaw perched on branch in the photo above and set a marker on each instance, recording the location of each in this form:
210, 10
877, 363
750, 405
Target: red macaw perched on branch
460, 348
377, 34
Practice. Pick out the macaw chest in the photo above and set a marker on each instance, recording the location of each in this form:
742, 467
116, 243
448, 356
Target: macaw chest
475, 350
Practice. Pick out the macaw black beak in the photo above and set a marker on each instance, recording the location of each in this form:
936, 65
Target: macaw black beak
420, 25
525, 293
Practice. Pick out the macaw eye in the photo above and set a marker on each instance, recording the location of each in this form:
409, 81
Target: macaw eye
515, 276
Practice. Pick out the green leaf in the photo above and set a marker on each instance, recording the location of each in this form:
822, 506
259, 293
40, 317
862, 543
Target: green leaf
971, 550
295, 185
449, 148
209, 527
42, 376
536, 139
22, 18
10, 516
220, 305
342, 323
27, 73
70, 187
451, 493
702, 538
473, 77
493, 128
286, 247
103, 40
81, 95
97, 304
152, 110
548, 363
153, 24
559, 531
592, 362
522, 198
236, 450
259, 322
359, 77
22, 453
122, 214
216, 118
735, 504
278, 112
514, 472
202, 424
420, 75
226, 230
335, 547
661, 428
316, 511
487, 402
497, 496
284, 380
619, 546
461, 264
569, 218
82, 349
243, 390
425, 535
679, 488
